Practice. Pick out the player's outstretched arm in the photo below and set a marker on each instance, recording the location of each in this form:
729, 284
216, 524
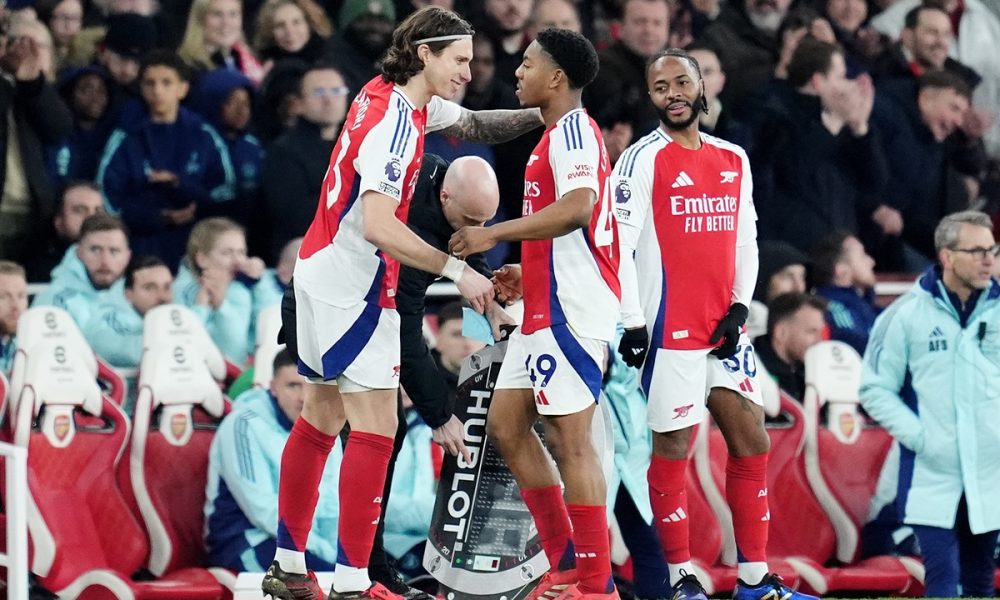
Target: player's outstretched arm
390, 235
569, 213
494, 126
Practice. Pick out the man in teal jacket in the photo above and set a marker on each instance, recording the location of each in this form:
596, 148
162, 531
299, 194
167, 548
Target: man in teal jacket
932, 378
91, 270
241, 505
114, 332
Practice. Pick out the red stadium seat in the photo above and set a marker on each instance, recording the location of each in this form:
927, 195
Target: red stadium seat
178, 408
85, 541
843, 456
710, 459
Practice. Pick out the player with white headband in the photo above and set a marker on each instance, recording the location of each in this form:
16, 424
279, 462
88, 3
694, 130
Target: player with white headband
346, 325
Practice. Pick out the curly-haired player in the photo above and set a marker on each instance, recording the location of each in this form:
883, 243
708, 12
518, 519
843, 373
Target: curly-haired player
346, 324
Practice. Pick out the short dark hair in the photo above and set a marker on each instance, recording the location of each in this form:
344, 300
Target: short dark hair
102, 222
165, 58
681, 54
811, 56
572, 53
450, 312
941, 79
826, 254
139, 263
785, 306
401, 61
284, 358
72, 185
913, 16
322, 65
800, 17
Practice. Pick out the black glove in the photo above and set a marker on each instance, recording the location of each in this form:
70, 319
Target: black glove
633, 347
728, 330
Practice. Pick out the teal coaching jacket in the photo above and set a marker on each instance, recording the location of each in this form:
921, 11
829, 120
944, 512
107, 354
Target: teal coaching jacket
934, 383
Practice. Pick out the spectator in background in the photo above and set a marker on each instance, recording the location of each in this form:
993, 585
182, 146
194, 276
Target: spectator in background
795, 323
365, 31
505, 23
862, 43
800, 23
451, 347
291, 29
86, 91
224, 98
816, 150
924, 43
977, 30
37, 31
294, 165
488, 90
929, 164
85, 45
622, 76
214, 39
783, 269
931, 378
91, 270
279, 99
274, 282
32, 115
716, 119
161, 172
64, 18
844, 276
216, 280
560, 14
79, 200
115, 329
241, 508
745, 38
13, 303
129, 37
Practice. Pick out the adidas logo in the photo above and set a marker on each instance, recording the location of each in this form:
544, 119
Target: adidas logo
767, 516
683, 180
636, 350
936, 332
674, 517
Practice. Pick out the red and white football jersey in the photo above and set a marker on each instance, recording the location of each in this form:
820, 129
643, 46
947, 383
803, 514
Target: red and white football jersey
684, 212
379, 149
572, 279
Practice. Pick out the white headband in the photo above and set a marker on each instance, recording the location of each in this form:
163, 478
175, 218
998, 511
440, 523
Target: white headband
443, 38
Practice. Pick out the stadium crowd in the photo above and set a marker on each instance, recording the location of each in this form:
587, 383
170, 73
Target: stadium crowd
173, 151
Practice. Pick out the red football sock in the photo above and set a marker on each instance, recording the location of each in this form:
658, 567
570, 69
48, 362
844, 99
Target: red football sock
302, 463
746, 491
362, 479
593, 548
552, 521
668, 496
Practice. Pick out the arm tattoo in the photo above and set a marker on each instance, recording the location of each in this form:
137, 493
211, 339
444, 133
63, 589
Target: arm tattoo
493, 126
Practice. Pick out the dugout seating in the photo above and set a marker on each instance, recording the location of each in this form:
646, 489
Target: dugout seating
178, 408
267, 347
843, 455
85, 543
802, 531
50, 324
711, 455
